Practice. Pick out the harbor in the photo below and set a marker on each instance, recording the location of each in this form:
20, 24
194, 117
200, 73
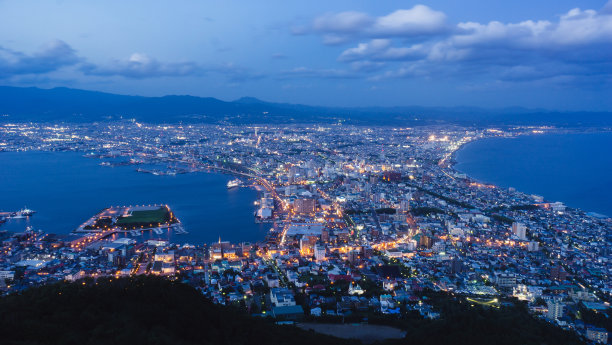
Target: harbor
21, 214
64, 199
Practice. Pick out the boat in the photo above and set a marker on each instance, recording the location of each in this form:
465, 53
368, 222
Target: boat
23, 213
179, 229
234, 183
26, 212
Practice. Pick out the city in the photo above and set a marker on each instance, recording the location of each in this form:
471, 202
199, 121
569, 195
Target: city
306, 172
361, 221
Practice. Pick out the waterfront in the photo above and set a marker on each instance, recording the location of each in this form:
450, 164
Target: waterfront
572, 168
373, 222
66, 189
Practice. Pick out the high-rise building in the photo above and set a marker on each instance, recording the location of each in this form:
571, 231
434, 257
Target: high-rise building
558, 273
555, 309
533, 246
325, 236
519, 230
319, 252
354, 256
367, 251
307, 244
304, 205
425, 241
456, 266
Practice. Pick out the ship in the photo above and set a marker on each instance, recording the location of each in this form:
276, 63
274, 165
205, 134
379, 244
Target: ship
234, 183
23, 213
26, 212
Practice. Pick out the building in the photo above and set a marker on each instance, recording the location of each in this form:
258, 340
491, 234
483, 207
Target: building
456, 266
307, 244
533, 246
425, 241
304, 206
272, 280
520, 230
555, 309
355, 289
596, 334
319, 252
392, 176
505, 280
558, 273
354, 256
281, 297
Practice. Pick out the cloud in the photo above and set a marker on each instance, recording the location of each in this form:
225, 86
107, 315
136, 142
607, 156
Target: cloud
139, 66
419, 20
49, 58
382, 50
579, 43
344, 22
305, 72
338, 28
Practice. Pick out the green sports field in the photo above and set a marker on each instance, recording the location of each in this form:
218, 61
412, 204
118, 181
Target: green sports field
158, 216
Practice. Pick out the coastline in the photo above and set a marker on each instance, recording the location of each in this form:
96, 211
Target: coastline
199, 228
453, 161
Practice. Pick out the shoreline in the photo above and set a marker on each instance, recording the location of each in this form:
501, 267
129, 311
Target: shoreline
452, 162
224, 175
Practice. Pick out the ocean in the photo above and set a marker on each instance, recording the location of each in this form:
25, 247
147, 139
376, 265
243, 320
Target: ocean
66, 189
572, 168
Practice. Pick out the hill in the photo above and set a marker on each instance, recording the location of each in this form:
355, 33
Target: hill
151, 310
141, 310
72, 105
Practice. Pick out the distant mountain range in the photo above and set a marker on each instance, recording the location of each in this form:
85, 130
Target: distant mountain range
73, 105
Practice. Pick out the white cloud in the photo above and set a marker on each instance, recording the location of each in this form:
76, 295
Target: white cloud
140, 66
337, 28
511, 50
418, 20
382, 49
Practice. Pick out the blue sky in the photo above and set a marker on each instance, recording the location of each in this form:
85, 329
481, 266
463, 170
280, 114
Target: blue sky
536, 53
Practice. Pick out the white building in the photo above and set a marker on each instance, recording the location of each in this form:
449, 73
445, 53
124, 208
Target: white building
533, 246
319, 252
555, 309
281, 297
505, 280
519, 230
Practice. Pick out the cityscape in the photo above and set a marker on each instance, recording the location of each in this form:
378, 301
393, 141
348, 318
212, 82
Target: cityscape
306, 173
361, 220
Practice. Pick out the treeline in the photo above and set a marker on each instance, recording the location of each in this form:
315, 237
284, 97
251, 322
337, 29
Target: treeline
152, 310
426, 210
463, 323
139, 310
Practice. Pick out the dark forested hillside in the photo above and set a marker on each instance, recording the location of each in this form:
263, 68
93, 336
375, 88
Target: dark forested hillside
141, 310
151, 310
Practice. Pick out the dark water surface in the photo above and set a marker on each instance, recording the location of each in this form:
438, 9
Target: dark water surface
575, 169
66, 189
